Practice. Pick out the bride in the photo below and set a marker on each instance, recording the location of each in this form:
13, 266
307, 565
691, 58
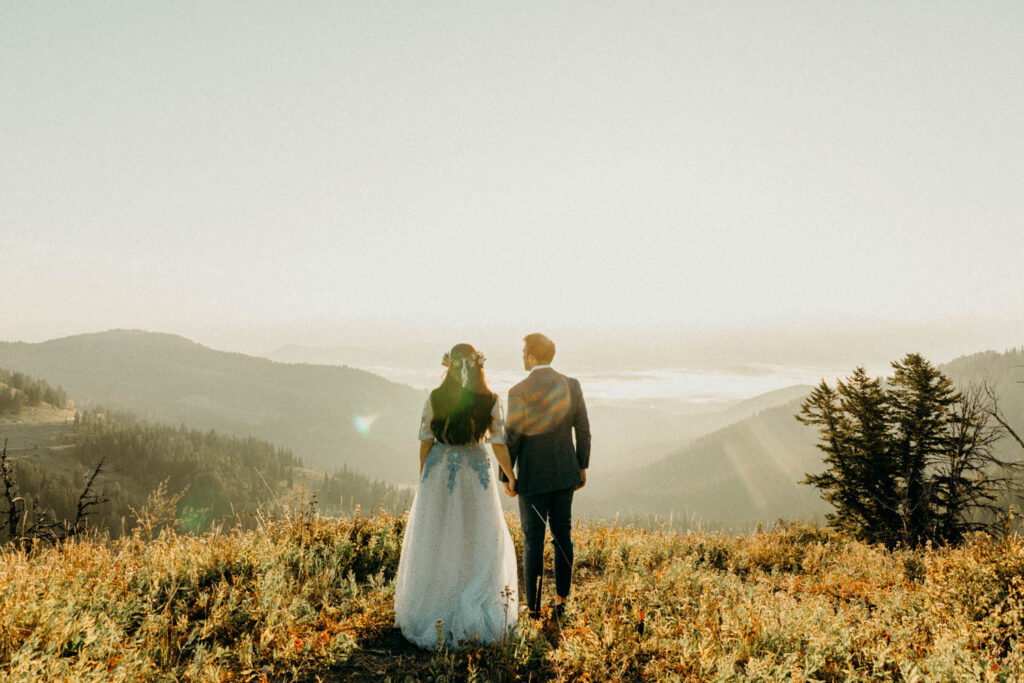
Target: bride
457, 574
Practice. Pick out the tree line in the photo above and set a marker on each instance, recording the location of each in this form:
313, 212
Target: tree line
22, 390
344, 490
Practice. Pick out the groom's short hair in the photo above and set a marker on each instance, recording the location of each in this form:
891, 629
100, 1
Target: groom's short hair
540, 347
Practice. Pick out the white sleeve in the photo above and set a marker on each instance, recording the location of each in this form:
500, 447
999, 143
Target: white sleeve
496, 432
426, 434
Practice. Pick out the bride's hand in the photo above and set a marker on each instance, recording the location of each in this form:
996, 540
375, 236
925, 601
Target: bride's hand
510, 488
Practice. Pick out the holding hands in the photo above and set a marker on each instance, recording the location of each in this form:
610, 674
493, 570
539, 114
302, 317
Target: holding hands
501, 453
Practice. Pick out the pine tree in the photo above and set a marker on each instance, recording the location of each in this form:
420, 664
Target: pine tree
921, 398
855, 440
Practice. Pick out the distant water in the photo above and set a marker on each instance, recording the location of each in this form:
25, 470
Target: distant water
694, 387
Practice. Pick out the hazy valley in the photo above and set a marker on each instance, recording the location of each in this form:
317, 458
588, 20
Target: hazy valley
729, 467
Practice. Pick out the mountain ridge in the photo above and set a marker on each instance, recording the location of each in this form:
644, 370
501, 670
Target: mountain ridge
728, 472
309, 409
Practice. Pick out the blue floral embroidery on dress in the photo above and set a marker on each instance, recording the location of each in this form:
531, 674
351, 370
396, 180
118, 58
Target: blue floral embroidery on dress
432, 457
474, 457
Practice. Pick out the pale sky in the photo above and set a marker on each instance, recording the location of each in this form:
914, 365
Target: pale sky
182, 166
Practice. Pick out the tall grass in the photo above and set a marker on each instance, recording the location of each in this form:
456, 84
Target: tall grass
308, 598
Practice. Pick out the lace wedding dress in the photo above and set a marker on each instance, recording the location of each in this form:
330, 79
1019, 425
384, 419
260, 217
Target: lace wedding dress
457, 574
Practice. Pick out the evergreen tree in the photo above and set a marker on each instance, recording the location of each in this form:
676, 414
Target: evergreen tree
921, 398
855, 439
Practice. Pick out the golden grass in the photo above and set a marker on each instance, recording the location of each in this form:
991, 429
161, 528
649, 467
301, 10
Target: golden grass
309, 598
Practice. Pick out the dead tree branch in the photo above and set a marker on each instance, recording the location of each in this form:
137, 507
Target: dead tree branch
89, 498
997, 414
15, 504
45, 527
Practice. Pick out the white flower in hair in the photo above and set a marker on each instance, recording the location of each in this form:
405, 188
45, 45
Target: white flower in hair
476, 360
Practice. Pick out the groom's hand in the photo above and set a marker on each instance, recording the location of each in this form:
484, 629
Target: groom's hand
583, 473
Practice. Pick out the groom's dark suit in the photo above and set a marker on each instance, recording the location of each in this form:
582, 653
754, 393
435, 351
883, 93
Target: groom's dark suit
544, 410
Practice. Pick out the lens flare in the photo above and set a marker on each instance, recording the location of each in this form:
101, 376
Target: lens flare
541, 411
364, 422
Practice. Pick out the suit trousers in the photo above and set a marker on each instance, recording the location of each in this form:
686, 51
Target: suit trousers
553, 510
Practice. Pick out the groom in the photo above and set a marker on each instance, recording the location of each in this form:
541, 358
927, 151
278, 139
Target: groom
543, 412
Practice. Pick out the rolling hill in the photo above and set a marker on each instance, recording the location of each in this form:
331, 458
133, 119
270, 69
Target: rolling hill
633, 434
739, 475
328, 416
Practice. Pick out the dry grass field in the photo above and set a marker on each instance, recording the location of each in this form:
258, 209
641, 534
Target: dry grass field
309, 598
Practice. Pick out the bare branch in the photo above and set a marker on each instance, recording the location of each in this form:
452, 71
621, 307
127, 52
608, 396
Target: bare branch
995, 413
86, 500
44, 526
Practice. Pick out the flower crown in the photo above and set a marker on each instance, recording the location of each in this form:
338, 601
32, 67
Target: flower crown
474, 360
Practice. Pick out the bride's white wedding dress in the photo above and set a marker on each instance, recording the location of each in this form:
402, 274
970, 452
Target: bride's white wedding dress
457, 574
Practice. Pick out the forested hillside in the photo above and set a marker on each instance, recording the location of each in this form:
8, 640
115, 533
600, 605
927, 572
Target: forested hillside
1004, 372
210, 476
18, 390
329, 417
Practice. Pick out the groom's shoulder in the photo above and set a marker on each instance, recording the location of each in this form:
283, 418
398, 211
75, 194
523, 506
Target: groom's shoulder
533, 381
521, 386
574, 384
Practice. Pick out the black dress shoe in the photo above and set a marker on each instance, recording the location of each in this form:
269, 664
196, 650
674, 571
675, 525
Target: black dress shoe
560, 610
534, 614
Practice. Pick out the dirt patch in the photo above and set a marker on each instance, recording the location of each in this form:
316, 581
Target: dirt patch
388, 654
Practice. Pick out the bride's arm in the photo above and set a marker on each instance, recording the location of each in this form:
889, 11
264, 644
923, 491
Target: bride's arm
425, 446
505, 462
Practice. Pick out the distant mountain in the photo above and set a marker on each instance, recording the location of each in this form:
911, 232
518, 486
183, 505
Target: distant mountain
328, 416
1004, 372
747, 472
425, 355
636, 433
739, 475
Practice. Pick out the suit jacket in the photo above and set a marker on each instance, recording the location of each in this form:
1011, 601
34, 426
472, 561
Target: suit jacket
544, 410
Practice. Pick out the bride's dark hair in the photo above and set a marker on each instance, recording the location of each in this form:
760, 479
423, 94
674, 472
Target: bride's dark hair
462, 414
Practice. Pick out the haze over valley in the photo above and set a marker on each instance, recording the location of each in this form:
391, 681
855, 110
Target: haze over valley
726, 463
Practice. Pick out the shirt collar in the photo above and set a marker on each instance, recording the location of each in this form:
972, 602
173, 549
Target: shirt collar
539, 367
